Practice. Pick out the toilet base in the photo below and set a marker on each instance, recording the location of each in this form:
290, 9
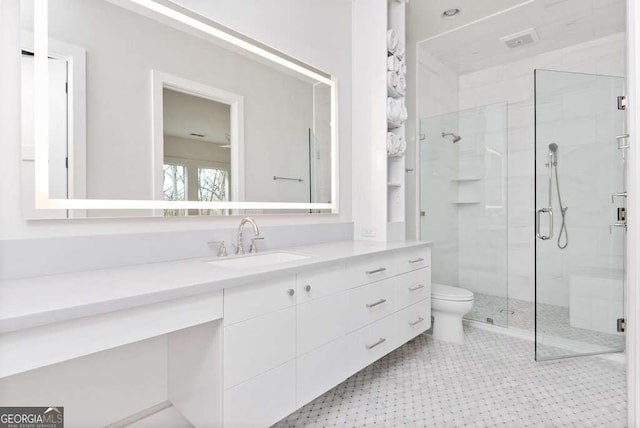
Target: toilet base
447, 327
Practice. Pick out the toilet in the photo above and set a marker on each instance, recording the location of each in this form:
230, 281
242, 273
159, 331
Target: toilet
448, 306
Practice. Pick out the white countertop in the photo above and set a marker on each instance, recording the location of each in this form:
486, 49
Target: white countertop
31, 302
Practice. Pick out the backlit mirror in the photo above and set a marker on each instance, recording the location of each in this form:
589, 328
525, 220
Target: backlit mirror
141, 107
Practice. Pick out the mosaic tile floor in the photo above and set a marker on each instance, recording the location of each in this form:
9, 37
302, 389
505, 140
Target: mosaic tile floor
490, 381
553, 320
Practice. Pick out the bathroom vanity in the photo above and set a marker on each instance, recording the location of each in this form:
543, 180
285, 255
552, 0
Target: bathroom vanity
248, 343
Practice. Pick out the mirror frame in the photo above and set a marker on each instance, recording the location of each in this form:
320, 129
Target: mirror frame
168, 10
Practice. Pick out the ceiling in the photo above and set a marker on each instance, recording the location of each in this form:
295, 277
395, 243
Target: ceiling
185, 114
471, 41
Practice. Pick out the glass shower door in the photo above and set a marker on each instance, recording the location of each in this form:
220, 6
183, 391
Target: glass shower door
580, 189
463, 205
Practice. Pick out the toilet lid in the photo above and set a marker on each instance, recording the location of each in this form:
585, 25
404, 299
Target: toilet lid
447, 292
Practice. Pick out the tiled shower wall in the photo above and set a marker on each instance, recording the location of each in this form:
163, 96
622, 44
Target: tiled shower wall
437, 93
513, 83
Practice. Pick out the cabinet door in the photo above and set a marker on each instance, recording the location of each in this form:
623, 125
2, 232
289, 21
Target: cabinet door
323, 320
263, 400
248, 301
323, 282
413, 287
254, 346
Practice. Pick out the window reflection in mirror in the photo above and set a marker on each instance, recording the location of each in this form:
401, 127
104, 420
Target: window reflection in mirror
196, 150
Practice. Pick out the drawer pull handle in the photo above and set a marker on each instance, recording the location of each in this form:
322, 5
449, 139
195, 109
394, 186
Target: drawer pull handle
307, 288
416, 260
416, 288
291, 292
379, 342
416, 322
379, 302
371, 272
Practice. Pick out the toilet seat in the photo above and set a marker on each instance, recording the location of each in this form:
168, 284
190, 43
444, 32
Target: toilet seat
447, 292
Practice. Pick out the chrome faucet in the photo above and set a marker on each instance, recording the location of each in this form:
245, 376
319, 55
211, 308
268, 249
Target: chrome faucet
256, 232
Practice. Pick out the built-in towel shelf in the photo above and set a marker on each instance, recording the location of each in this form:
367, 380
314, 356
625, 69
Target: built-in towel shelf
394, 184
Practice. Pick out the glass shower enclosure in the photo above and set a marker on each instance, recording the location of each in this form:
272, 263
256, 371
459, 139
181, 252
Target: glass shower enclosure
580, 214
463, 204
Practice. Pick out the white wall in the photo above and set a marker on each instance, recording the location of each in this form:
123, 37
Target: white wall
513, 82
288, 25
370, 119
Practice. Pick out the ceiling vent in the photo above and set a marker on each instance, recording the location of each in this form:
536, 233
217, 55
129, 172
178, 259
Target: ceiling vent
521, 38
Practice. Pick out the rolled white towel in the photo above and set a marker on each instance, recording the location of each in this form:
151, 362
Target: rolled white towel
399, 50
392, 63
393, 39
395, 93
393, 110
392, 143
401, 86
393, 79
402, 66
402, 146
396, 112
404, 114
396, 145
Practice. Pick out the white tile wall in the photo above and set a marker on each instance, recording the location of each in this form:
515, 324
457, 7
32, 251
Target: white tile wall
438, 94
513, 83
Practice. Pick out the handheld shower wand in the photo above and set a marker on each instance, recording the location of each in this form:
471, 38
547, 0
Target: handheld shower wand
553, 167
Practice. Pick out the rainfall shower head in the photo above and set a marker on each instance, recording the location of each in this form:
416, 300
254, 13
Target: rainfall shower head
553, 147
456, 138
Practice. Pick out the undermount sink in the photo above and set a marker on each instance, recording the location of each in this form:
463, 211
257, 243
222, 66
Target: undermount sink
258, 260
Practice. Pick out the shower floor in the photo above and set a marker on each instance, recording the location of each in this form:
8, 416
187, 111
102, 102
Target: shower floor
553, 322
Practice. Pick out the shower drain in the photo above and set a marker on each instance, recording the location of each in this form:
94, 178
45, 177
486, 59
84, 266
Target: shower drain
502, 311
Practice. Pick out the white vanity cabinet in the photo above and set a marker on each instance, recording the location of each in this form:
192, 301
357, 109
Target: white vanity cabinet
259, 350
287, 341
225, 347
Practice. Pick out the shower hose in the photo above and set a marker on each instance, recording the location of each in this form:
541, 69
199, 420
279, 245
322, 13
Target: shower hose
563, 235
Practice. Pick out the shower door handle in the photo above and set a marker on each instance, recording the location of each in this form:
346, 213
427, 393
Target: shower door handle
538, 214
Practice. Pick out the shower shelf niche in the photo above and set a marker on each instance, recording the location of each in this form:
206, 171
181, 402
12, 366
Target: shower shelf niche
466, 202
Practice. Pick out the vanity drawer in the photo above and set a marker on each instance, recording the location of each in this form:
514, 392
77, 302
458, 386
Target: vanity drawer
413, 259
413, 287
373, 341
372, 268
248, 301
263, 400
322, 320
413, 320
318, 283
254, 346
371, 302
